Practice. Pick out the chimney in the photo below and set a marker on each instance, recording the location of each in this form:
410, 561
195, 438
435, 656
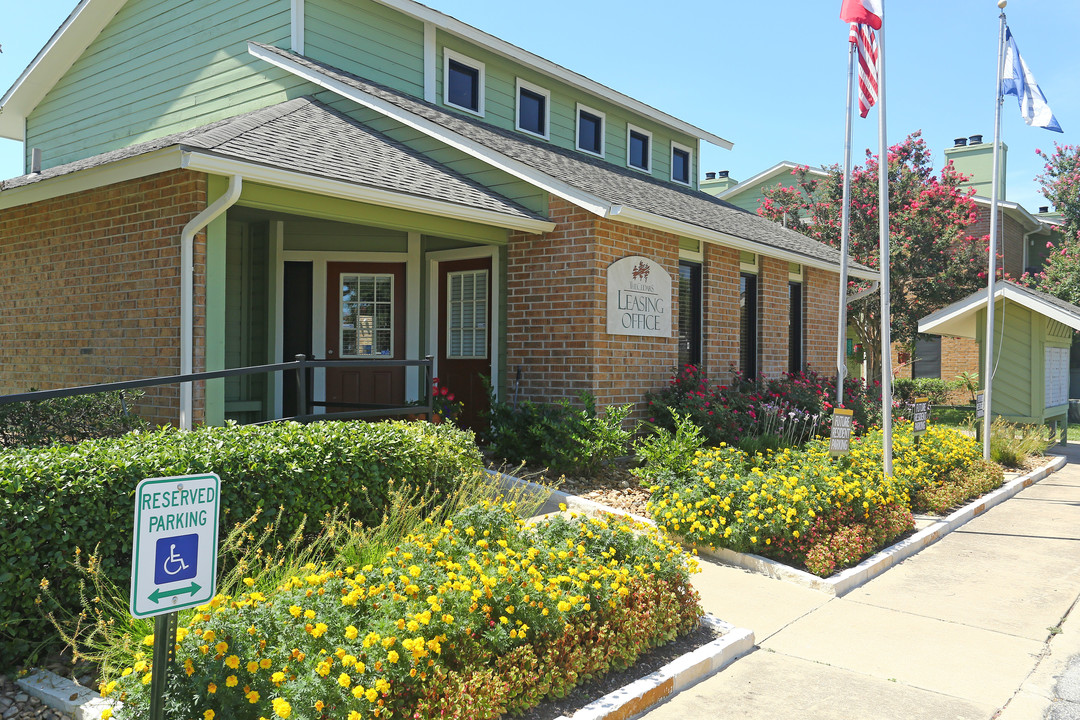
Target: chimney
1044, 209
974, 158
710, 176
35, 161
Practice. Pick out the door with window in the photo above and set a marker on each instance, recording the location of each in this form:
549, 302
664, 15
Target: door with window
365, 320
464, 353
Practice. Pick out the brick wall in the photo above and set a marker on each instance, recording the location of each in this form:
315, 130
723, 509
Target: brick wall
773, 317
1010, 239
720, 311
91, 289
821, 291
556, 302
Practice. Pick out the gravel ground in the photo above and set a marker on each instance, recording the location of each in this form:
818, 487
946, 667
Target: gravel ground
614, 487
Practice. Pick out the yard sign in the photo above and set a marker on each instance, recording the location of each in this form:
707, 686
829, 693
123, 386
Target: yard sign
174, 552
920, 416
840, 437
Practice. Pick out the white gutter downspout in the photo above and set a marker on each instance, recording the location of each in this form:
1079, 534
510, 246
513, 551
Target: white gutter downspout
187, 287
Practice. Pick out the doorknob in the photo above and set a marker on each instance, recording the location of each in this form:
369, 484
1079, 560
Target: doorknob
329, 352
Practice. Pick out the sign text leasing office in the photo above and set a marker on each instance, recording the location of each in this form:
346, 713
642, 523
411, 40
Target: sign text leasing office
638, 298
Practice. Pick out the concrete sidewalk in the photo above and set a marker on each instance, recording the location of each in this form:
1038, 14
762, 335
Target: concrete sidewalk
976, 626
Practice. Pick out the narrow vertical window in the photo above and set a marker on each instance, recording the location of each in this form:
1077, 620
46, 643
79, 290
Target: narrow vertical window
748, 325
689, 313
367, 315
590, 130
467, 313
927, 362
639, 148
533, 108
795, 327
680, 163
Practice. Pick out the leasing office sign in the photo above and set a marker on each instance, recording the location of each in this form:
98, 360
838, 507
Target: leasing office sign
638, 298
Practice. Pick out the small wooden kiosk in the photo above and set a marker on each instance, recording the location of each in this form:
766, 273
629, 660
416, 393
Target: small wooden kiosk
1033, 333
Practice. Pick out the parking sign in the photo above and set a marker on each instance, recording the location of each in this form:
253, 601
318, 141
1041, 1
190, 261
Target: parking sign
174, 553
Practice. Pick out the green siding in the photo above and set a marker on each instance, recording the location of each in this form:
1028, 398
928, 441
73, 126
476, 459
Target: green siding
367, 39
246, 323
501, 101
155, 71
1018, 341
306, 234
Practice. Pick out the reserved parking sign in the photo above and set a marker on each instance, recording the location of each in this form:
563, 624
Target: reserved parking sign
174, 553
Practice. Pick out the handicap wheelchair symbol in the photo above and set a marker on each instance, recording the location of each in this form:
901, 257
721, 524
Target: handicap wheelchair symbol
176, 558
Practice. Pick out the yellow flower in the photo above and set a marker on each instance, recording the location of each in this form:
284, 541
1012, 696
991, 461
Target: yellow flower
319, 705
372, 694
211, 688
282, 708
253, 697
351, 632
249, 581
208, 715
252, 667
106, 714
232, 662
265, 663
392, 656
230, 681
344, 680
221, 647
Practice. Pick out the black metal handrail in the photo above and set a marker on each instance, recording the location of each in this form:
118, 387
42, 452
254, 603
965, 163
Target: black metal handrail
303, 367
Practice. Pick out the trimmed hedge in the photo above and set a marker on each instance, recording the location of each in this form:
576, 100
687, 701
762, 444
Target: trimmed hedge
56, 499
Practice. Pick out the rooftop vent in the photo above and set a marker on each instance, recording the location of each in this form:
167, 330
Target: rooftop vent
960, 142
1043, 209
35, 161
975, 140
710, 176
722, 173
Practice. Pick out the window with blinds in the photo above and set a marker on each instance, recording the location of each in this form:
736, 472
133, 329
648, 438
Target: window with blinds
367, 316
466, 314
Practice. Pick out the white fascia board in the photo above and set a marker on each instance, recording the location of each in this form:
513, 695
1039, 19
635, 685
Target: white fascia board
120, 171
678, 227
776, 169
217, 165
65, 46
520, 170
961, 314
513, 52
1037, 304
1016, 209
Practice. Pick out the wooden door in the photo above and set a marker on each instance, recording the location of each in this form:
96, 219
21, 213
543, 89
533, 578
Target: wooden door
464, 354
365, 319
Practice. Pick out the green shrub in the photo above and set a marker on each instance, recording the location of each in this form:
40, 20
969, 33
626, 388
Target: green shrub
56, 499
559, 436
935, 390
957, 486
664, 452
1012, 444
71, 419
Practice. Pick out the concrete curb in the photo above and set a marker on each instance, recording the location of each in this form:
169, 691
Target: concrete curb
846, 581
683, 672
64, 695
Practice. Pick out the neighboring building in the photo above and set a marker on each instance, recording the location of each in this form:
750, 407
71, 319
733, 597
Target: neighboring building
370, 179
1023, 243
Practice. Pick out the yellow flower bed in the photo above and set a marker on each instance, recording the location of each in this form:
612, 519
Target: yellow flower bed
479, 616
783, 503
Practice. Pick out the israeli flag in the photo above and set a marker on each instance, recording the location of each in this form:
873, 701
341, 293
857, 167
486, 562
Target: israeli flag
1017, 80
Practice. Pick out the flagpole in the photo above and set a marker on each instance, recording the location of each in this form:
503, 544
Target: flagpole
988, 343
845, 238
884, 258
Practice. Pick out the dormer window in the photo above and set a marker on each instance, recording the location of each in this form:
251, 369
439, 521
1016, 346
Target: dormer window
463, 82
680, 163
533, 108
590, 130
638, 148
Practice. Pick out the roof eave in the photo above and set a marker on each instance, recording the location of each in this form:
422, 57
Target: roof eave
217, 165
653, 221
766, 174
958, 318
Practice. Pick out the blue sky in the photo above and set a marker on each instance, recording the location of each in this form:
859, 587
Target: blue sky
770, 77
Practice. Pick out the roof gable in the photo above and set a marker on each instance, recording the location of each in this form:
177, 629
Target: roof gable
959, 319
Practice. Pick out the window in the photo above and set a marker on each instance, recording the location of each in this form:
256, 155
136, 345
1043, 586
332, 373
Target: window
689, 313
748, 325
795, 327
367, 316
533, 108
638, 148
927, 362
467, 314
680, 163
590, 130
463, 82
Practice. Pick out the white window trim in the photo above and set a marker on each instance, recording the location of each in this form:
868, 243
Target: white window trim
750, 267
525, 84
648, 160
603, 129
449, 330
341, 330
449, 55
689, 182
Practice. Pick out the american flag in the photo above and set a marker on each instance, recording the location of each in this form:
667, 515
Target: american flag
866, 45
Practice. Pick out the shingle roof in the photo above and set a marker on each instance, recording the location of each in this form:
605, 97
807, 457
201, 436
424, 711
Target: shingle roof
306, 136
618, 186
